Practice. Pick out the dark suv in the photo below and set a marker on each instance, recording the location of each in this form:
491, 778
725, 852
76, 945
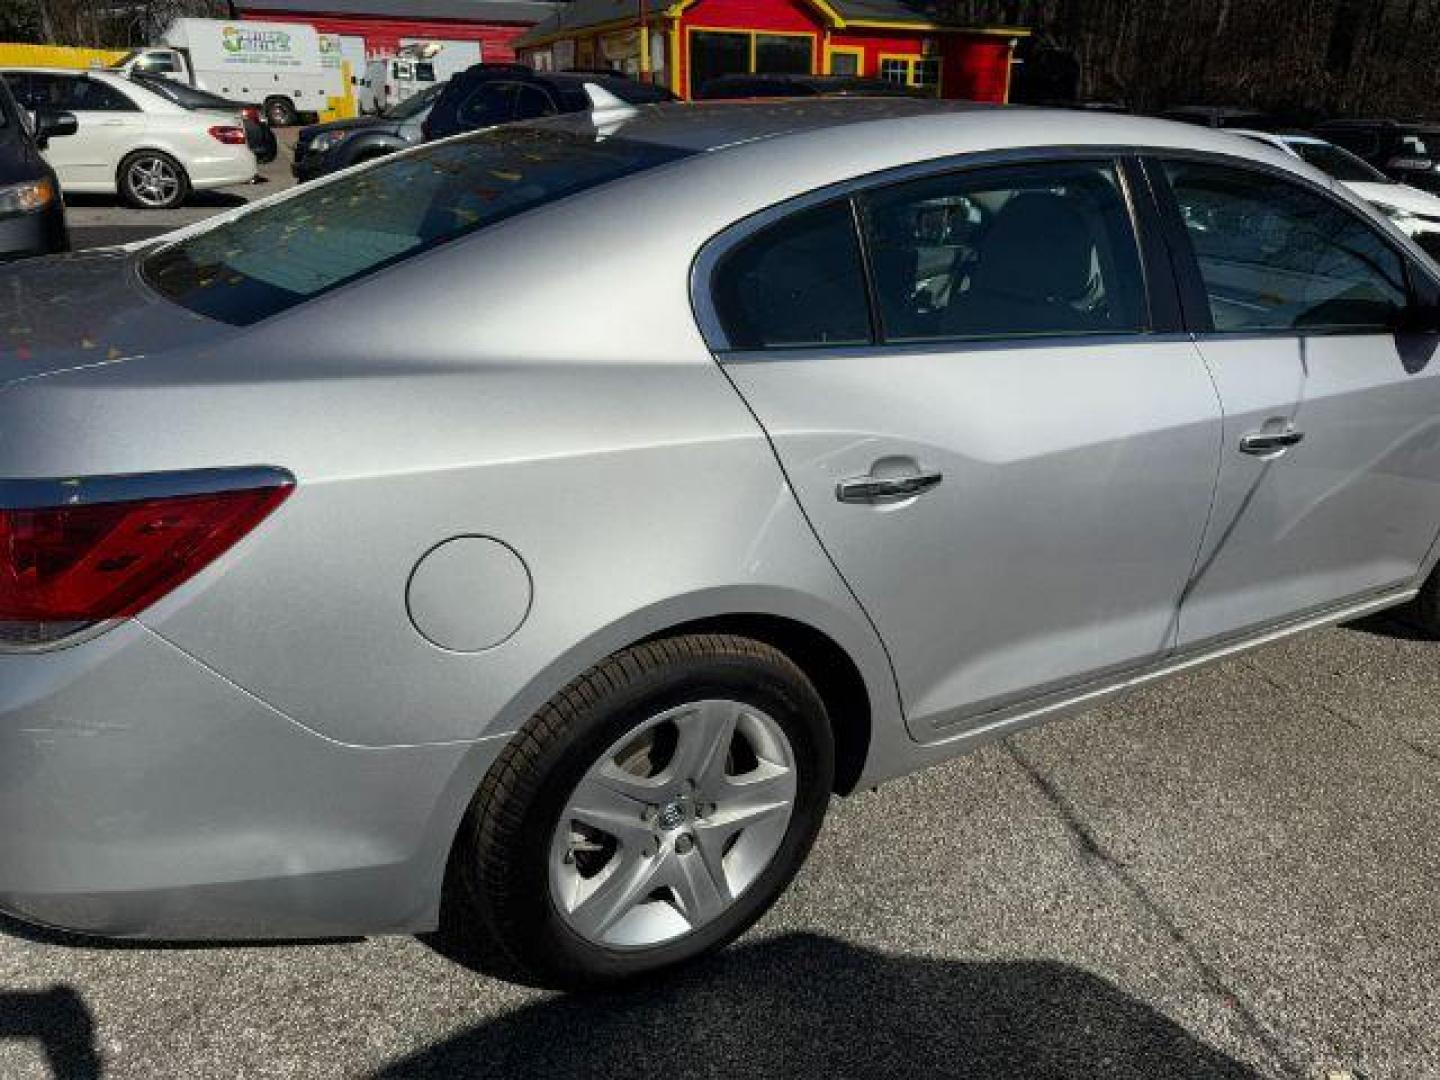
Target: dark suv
1408, 152
32, 212
489, 94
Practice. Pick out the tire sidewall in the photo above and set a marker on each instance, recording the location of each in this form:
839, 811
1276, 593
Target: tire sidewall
281, 112
182, 192
549, 943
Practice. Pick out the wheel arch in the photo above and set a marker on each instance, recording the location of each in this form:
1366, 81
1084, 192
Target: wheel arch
829, 667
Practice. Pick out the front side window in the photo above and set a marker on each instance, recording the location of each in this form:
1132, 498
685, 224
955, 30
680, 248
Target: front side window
1018, 252
282, 254
1274, 255
798, 283
156, 62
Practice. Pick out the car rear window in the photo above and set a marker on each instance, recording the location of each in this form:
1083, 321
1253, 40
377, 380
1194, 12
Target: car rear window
287, 252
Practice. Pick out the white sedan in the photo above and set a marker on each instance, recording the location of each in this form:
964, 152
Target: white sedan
1414, 212
132, 142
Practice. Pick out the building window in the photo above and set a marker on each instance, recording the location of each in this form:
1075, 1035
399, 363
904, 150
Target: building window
725, 52
922, 72
896, 71
783, 54
925, 73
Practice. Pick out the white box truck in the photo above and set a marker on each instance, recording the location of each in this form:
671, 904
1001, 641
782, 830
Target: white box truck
281, 67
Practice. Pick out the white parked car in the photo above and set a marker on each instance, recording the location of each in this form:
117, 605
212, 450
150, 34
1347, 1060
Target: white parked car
1415, 212
132, 142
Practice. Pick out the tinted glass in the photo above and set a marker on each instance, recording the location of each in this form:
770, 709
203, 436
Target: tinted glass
1277, 256
530, 102
783, 54
798, 283
20, 87
1341, 164
844, 64
1014, 252
76, 94
282, 254
490, 104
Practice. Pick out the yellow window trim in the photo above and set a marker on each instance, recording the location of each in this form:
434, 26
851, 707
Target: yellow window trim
857, 51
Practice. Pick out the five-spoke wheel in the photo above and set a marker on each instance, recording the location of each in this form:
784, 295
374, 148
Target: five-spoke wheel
674, 822
648, 814
151, 180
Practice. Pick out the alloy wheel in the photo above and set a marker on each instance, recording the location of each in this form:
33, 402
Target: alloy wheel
153, 181
672, 824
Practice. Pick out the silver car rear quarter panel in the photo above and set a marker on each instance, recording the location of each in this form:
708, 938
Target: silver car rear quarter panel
142, 795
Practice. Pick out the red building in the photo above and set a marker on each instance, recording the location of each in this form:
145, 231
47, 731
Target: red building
469, 30
683, 43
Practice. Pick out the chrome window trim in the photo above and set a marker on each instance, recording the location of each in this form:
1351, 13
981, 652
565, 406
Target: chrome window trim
51, 492
948, 346
714, 250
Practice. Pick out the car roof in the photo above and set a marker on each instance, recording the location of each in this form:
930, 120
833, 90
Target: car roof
854, 124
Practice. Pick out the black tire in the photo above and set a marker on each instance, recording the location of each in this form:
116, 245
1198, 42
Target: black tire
502, 916
281, 112
133, 191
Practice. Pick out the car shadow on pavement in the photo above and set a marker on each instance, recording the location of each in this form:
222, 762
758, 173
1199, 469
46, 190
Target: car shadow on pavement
808, 1006
1391, 624
217, 200
60, 1021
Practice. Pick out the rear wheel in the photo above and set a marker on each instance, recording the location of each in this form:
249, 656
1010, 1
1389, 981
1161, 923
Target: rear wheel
281, 112
151, 180
647, 815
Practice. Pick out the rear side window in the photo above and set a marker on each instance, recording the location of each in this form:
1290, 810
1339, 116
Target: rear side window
797, 283
1274, 255
491, 103
284, 253
1029, 251
76, 93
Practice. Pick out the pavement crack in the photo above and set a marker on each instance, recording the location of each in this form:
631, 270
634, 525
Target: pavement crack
1091, 847
1422, 752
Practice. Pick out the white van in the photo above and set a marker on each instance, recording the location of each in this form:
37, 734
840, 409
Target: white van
278, 66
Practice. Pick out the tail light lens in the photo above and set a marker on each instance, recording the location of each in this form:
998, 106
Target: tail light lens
230, 136
65, 568
251, 114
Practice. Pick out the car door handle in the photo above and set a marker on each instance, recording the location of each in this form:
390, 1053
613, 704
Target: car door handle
885, 489
1269, 442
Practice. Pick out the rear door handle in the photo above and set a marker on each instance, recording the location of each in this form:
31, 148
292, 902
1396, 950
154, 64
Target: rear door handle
1269, 442
886, 489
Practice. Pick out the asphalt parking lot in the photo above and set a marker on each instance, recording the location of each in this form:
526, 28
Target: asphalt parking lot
1236, 875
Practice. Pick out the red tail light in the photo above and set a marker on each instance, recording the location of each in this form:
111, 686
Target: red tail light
230, 136
251, 114
64, 568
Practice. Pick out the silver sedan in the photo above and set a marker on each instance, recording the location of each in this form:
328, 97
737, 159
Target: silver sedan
530, 533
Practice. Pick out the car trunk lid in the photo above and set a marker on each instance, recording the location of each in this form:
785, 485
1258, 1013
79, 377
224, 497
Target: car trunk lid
83, 310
